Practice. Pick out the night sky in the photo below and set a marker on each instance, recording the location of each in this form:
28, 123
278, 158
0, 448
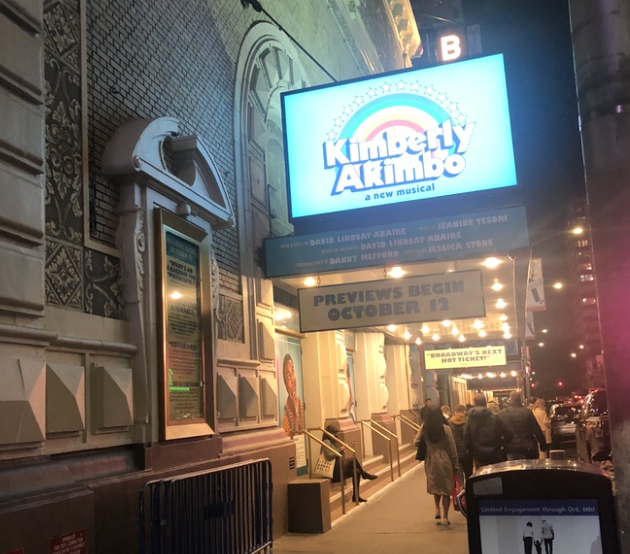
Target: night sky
535, 38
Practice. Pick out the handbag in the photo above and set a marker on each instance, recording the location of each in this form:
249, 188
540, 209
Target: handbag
323, 467
421, 453
457, 489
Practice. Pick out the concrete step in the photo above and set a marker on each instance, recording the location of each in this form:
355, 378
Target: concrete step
377, 466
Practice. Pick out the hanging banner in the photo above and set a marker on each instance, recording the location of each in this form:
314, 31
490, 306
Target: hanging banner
535, 287
487, 356
530, 328
454, 295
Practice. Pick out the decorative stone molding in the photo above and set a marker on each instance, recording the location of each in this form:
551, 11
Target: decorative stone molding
113, 397
269, 397
65, 398
135, 152
404, 22
226, 399
249, 399
136, 160
22, 401
267, 340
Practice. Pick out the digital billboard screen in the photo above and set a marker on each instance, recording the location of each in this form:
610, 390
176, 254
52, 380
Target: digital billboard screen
393, 138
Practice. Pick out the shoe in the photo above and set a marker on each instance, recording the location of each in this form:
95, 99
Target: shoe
438, 516
360, 499
369, 476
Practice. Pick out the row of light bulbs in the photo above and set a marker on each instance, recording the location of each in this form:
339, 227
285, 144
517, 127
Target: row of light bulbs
397, 272
454, 331
489, 374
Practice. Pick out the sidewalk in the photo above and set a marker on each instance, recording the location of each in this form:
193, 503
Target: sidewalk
397, 520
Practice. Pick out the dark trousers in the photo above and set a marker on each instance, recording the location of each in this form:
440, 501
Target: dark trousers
348, 470
548, 546
538, 546
527, 543
466, 465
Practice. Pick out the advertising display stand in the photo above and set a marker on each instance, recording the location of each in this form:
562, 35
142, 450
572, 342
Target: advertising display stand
541, 507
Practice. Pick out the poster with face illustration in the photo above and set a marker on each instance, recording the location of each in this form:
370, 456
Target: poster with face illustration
291, 393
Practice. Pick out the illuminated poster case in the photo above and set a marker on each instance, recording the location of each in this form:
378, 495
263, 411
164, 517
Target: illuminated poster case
410, 140
185, 320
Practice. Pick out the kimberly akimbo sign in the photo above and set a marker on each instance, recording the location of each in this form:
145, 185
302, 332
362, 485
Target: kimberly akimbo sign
411, 300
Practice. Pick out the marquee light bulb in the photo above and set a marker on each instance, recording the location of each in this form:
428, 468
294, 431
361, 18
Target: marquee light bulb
496, 286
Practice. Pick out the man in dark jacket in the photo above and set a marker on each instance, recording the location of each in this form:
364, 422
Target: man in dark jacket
527, 433
485, 434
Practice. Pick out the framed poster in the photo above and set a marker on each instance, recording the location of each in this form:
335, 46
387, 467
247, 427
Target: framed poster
290, 396
184, 300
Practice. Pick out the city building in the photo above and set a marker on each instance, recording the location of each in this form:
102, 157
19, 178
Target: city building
146, 330
582, 293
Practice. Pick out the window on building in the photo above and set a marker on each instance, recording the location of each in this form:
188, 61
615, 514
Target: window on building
586, 277
582, 243
589, 301
586, 267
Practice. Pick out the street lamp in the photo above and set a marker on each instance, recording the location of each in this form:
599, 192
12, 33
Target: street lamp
558, 285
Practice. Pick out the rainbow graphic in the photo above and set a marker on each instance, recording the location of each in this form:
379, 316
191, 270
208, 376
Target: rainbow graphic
403, 110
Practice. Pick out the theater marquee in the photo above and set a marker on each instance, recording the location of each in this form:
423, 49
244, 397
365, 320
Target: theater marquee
454, 295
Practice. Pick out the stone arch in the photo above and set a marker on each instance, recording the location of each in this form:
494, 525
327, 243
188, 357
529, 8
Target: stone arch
268, 65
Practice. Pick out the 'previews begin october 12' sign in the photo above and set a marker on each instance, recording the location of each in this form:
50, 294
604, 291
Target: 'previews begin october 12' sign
404, 136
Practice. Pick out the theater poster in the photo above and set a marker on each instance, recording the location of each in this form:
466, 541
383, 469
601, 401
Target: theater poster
291, 394
184, 315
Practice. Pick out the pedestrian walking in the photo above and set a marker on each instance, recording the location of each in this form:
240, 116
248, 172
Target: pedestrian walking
528, 537
428, 403
540, 411
440, 464
548, 536
485, 434
457, 423
527, 435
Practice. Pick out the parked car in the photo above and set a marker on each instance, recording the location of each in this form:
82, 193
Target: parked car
593, 429
563, 419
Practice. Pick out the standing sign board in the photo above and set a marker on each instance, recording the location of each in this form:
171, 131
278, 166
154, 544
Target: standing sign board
454, 295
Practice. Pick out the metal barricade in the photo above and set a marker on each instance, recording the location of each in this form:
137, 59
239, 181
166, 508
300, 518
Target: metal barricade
226, 510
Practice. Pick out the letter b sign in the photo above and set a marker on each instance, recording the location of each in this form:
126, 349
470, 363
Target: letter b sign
450, 47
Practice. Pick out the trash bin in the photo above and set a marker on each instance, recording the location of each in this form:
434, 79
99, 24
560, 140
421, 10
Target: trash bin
541, 507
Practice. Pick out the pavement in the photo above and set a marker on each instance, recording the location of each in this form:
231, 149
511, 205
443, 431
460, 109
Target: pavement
398, 519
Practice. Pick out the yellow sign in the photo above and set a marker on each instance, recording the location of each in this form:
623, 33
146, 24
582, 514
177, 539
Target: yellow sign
484, 356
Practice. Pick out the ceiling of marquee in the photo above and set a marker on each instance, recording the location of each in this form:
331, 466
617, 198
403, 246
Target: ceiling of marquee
503, 290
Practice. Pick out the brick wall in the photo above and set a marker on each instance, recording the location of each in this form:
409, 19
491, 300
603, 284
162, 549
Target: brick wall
150, 59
